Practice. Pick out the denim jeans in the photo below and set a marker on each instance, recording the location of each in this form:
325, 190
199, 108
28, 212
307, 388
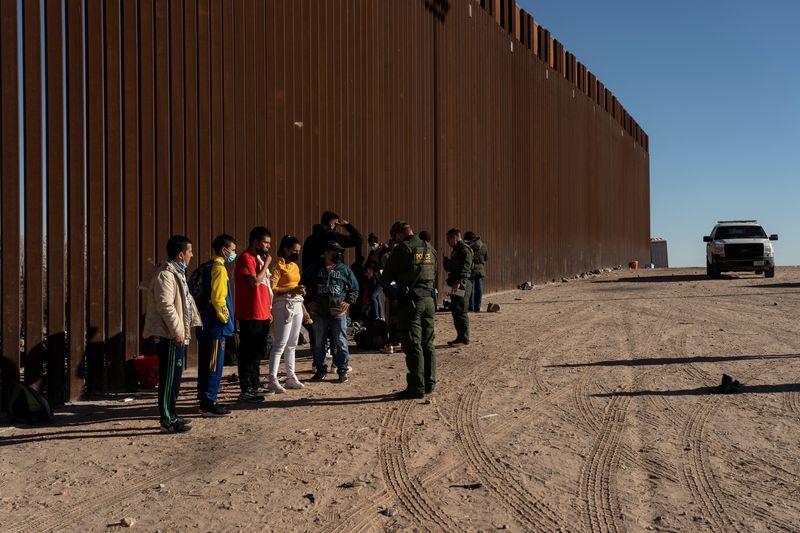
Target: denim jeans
477, 294
375, 305
337, 328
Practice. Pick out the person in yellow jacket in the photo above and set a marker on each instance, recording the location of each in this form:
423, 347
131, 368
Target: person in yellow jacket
288, 314
218, 324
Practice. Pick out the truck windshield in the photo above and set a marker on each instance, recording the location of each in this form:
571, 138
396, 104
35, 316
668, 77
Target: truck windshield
740, 232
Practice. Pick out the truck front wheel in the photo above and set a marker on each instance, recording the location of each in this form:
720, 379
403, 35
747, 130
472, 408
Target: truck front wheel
712, 271
769, 273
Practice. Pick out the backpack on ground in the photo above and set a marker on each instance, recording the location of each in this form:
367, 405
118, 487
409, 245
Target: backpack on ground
28, 406
374, 336
197, 286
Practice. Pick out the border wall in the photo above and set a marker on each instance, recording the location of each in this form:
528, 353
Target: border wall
125, 121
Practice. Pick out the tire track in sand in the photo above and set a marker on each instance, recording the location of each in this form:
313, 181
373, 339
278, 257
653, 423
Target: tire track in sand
699, 474
392, 453
597, 486
697, 470
527, 508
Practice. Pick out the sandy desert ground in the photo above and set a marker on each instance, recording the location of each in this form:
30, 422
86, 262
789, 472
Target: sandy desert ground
580, 406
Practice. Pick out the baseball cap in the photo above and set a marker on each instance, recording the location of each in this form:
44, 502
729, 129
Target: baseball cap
333, 245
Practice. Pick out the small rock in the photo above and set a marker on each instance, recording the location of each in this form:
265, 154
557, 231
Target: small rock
427, 401
389, 511
310, 497
503, 526
161, 486
127, 522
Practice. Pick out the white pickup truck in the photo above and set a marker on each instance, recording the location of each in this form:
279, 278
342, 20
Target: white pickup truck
739, 246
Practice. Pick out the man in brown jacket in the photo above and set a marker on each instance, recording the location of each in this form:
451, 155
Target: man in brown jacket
171, 314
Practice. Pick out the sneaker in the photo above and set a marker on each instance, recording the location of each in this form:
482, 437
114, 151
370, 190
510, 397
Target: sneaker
319, 375
185, 421
409, 394
263, 391
293, 383
343, 377
389, 349
215, 410
251, 396
176, 427
275, 387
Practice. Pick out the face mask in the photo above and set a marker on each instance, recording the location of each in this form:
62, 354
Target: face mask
181, 265
294, 257
231, 257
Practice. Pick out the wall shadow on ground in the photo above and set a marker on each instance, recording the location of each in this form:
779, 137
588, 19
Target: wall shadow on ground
680, 278
703, 391
677, 360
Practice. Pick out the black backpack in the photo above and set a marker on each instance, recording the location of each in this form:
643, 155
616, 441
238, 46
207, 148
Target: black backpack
374, 336
198, 287
28, 406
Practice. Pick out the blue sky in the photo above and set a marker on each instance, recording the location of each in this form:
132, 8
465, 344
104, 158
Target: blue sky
714, 84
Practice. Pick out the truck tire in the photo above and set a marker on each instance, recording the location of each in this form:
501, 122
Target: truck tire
769, 273
711, 271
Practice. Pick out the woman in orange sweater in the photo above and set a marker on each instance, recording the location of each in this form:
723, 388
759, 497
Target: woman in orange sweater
288, 313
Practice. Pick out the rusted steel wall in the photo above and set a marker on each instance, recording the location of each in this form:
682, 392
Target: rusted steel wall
144, 118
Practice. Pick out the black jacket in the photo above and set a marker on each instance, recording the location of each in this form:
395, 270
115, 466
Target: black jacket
315, 243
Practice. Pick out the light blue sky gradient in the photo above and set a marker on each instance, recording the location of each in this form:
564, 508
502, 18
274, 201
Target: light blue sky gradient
715, 85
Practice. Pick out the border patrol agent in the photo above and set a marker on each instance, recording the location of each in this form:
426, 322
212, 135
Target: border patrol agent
459, 272
412, 268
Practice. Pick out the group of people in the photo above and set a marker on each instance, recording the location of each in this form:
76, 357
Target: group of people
321, 296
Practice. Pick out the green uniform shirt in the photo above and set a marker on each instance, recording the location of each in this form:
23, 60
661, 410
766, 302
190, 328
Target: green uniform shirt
411, 264
460, 263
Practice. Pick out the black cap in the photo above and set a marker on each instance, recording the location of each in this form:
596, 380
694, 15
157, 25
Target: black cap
333, 245
469, 236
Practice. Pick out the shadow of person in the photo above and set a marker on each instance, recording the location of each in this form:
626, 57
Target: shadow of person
75, 434
275, 403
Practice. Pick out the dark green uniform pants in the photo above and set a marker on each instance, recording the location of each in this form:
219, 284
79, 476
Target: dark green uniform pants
459, 306
415, 325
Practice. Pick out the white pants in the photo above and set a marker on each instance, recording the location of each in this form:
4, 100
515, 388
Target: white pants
287, 316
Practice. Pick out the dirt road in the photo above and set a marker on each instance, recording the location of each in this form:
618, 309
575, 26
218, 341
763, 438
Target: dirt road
580, 406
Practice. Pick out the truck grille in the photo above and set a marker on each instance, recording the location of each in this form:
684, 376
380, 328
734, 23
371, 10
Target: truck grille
744, 251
